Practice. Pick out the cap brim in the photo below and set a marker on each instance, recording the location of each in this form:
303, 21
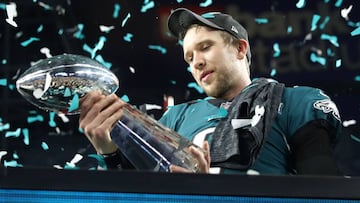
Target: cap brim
180, 19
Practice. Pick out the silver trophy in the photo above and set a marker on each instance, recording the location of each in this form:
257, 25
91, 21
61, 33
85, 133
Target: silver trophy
57, 83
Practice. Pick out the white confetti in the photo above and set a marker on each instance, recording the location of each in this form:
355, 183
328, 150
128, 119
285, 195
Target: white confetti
349, 123
11, 13
46, 51
106, 29
345, 12
2, 153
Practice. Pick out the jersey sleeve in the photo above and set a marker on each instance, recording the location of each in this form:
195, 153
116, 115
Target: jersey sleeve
306, 104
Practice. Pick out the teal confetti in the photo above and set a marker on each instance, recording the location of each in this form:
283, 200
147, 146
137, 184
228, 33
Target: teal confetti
116, 10
125, 98
323, 24
125, 20
206, 3
277, 51
289, 29
355, 32
180, 42
196, 87
44, 146
74, 104
315, 58
40, 28
87, 48
80, 130
314, 21
128, 37
179, 1
29, 41
67, 92
32, 119
261, 20
357, 78
188, 69
100, 59
52, 122
97, 47
25, 132
159, 48
2, 6
61, 31
11, 86
69, 166
5, 126
338, 63
301, 4
273, 72
338, 3
3, 82
15, 155
333, 39
330, 52
173, 82
15, 133
79, 34
12, 163
148, 5
4, 61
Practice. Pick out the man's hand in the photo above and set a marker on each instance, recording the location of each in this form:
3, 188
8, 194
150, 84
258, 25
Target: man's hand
98, 115
202, 158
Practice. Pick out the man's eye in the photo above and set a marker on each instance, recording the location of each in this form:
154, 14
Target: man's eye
205, 47
189, 59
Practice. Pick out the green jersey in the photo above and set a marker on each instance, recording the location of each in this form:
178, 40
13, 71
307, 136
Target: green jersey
197, 121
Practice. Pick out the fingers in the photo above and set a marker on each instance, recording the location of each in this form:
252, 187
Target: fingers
98, 114
86, 102
202, 157
178, 169
99, 108
206, 148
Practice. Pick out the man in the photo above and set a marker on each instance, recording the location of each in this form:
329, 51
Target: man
244, 126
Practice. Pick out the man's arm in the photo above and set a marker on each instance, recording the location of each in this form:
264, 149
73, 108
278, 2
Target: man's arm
312, 149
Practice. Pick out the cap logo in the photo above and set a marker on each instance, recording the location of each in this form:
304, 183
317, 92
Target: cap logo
233, 28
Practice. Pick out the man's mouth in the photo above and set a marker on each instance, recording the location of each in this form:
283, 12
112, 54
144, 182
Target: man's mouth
205, 75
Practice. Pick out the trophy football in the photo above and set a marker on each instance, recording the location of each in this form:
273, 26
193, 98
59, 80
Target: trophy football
57, 83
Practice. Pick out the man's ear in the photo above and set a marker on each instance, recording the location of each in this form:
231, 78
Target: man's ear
242, 47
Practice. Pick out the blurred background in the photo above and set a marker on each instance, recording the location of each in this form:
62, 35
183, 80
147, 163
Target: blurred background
297, 42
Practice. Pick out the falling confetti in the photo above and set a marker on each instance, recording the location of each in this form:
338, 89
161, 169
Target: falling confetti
116, 10
356, 32
29, 41
206, 3
11, 14
147, 5
301, 4
159, 48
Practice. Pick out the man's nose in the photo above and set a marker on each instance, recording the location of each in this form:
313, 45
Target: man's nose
199, 61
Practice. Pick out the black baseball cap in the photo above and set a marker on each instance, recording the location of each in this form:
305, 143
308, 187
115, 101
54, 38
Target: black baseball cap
180, 19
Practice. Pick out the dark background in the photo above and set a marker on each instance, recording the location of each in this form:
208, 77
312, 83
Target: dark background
56, 26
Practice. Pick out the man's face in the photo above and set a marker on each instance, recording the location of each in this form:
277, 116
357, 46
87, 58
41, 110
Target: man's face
214, 64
